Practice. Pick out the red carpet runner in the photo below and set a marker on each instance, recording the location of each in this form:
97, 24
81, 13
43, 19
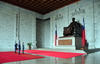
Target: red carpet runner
55, 53
11, 57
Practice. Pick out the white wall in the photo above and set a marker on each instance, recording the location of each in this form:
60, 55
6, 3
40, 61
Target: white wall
43, 33
7, 28
63, 17
97, 23
16, 23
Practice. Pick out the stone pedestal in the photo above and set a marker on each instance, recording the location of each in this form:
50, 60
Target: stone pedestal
70, 42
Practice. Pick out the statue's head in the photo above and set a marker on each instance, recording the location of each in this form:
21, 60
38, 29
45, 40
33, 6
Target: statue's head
73, 19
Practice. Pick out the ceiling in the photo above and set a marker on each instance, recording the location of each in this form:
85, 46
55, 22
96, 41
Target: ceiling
41, 6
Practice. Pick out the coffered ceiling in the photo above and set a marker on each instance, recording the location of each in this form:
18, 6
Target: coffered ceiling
41, 6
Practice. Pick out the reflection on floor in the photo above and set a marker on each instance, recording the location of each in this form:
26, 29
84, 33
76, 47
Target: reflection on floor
90, 58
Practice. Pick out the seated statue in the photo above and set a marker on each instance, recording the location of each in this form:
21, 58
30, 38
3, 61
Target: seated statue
68, 31
74, 28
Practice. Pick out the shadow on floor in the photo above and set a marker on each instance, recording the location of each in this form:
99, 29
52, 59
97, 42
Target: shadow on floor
88, 51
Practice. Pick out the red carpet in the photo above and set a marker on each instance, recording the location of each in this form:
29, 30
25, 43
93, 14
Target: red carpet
11, 57
55, 53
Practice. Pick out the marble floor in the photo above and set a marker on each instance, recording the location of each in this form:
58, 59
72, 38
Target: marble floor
91, 58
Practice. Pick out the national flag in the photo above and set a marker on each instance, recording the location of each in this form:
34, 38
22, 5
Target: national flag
83, 34
56, 36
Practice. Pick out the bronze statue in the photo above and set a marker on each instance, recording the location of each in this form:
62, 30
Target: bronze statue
74, 29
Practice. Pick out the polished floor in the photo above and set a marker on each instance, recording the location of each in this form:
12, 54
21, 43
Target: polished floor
90, 58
